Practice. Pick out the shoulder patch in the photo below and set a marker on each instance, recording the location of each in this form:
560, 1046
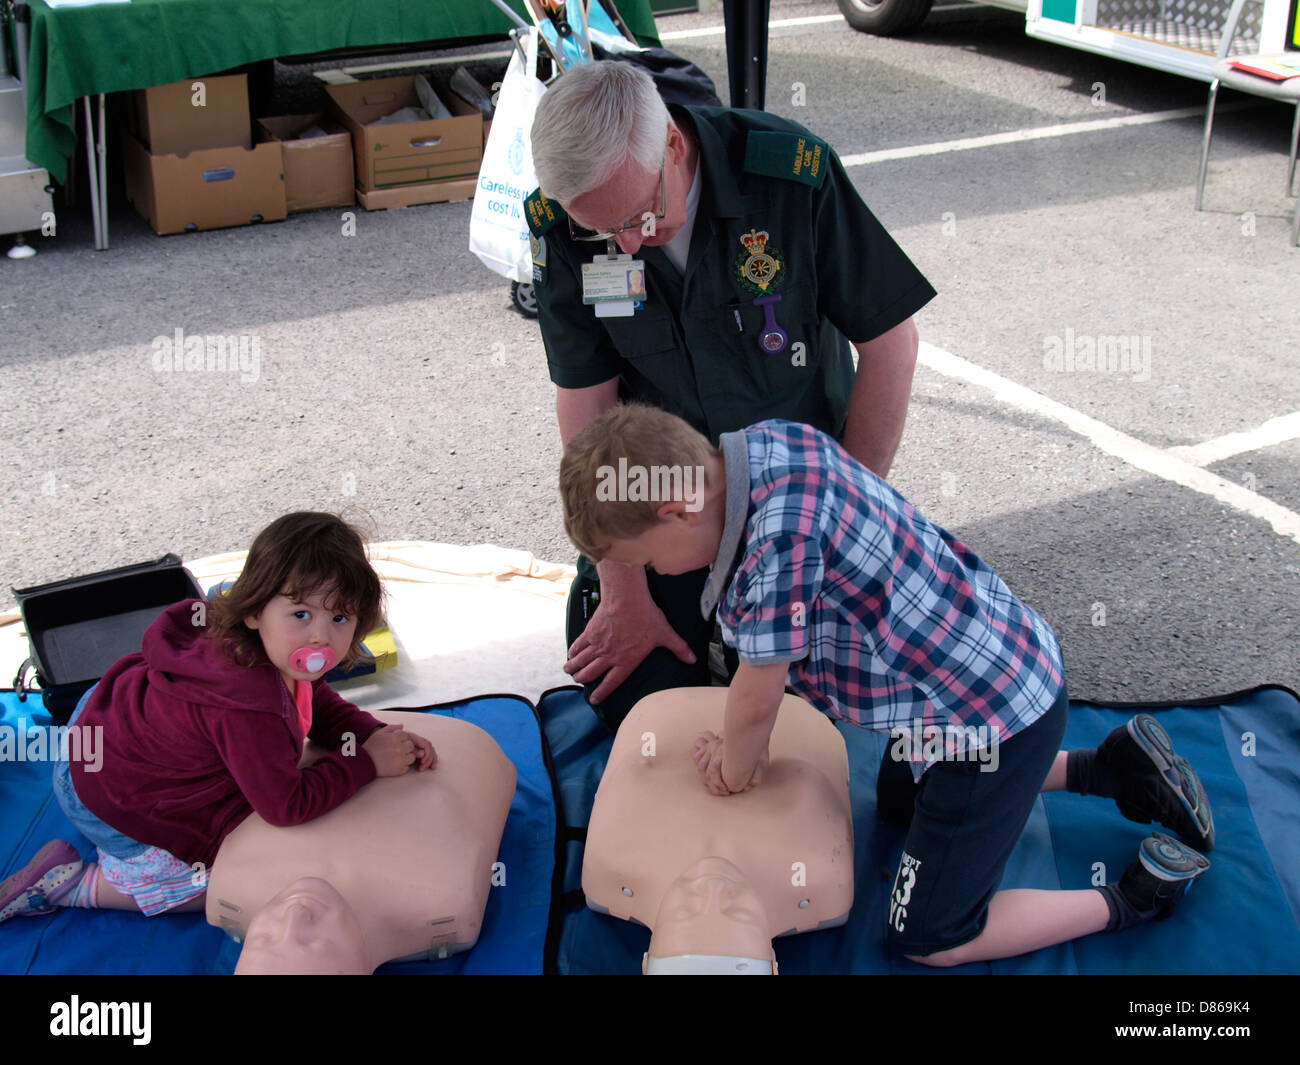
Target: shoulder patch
542, 213
794, 156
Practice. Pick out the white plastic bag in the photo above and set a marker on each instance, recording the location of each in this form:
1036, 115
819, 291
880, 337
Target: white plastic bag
498, 229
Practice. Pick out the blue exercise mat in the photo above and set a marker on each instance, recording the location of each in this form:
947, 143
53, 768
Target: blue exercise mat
1243, 916
101, 941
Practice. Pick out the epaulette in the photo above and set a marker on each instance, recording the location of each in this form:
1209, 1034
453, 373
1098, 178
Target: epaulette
794, 156
542, 213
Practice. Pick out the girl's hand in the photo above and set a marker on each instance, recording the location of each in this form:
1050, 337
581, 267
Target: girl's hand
392, 749
425, 755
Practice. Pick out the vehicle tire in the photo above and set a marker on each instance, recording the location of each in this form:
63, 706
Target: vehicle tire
524, 299
885, 18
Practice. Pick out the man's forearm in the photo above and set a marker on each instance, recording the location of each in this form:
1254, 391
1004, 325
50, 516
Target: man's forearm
576, 408
880, 396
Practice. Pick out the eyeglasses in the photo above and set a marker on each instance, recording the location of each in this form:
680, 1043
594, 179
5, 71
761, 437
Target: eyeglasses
579, 233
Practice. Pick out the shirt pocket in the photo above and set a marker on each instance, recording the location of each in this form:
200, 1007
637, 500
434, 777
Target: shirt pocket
648, 341
774, 380
644, 334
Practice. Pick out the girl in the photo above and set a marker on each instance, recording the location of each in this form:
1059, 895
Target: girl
206, 724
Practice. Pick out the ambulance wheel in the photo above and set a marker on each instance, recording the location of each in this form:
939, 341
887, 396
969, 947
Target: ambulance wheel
885, 18
523, 298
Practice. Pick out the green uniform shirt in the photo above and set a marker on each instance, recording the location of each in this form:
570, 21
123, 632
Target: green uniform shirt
694, 348
840, 275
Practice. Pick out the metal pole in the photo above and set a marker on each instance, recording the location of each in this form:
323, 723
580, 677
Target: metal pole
102, 151
509, 13
747, 51
90, 166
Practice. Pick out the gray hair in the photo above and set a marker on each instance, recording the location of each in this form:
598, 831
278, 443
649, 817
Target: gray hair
590, 122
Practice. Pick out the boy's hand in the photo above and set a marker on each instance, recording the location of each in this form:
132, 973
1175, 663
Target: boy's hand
708, 754
394, 750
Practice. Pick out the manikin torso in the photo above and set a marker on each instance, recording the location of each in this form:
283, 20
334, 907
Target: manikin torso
714, 875
410, 856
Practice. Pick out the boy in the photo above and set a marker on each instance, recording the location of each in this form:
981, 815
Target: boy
828, 580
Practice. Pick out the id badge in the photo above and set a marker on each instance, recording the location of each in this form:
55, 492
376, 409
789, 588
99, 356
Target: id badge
614, 285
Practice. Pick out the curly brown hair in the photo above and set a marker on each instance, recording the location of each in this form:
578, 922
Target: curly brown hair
299, 555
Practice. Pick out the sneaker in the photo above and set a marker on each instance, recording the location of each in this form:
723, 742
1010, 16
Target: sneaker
27, 892
1165, 871
1158, 784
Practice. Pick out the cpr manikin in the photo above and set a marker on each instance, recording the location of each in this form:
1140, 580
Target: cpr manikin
307, 928
717, 877
407, 863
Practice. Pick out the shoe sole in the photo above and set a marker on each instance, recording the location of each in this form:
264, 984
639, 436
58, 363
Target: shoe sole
12, 896
1155, 743
1171, 860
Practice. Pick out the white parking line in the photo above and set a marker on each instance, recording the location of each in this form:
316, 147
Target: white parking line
1017, 136
1274, 431
718, 31
1162, 463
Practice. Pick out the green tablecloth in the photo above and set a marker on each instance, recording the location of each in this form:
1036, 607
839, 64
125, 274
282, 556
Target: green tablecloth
81, 51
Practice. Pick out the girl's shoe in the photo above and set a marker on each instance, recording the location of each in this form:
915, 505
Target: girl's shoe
27, 892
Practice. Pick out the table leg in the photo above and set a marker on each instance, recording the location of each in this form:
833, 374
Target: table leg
91, 168
101, 149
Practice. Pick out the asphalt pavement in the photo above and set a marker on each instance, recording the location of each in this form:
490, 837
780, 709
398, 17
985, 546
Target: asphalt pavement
395, 383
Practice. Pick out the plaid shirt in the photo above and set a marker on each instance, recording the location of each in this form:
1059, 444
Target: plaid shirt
886, 619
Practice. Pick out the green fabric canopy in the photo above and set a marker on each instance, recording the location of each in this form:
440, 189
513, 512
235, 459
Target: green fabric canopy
82, 51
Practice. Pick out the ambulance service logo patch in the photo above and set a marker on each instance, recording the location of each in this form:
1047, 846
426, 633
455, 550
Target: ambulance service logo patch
759, 267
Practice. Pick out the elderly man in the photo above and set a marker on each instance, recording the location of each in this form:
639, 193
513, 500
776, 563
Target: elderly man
758, 259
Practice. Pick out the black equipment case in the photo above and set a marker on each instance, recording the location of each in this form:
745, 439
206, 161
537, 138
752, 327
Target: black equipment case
80, 626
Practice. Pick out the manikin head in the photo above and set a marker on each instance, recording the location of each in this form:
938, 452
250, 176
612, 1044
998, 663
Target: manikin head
306, 930
711, 920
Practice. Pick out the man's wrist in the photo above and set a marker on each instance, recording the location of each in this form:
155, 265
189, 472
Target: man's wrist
618, 578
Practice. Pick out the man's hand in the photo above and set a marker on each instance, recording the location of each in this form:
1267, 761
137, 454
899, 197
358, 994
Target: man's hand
625, 628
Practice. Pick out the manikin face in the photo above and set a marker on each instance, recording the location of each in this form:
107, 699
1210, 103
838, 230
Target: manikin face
631, 191
307, 929
286, 624
711, 909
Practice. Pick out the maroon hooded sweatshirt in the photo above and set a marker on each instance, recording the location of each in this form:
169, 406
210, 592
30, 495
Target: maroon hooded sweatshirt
193, 744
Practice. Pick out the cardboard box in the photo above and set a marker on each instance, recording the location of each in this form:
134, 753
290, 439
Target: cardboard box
410, 195
317, 171
206, 189
167, 121
407, 153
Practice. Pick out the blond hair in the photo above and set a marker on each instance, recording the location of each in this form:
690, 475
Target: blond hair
631, 436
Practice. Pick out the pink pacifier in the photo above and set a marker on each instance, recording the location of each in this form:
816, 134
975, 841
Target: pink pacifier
311, 659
